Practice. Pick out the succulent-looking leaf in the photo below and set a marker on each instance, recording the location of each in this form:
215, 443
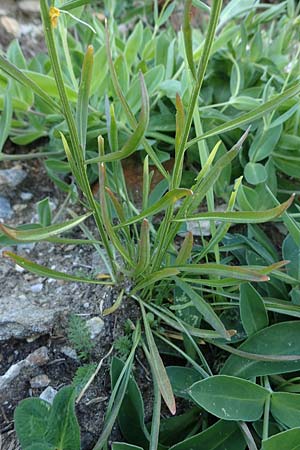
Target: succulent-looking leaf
285, 408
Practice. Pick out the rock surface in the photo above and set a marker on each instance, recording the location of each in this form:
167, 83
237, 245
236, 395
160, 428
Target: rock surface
20, 318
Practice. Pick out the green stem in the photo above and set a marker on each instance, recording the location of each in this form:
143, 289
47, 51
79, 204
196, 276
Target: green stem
265, 433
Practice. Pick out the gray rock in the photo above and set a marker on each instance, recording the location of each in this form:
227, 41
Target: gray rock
95, 326
39, 357
6, 211
29, 7
12, 177
40, 381
69, 352
48, 394
19, 318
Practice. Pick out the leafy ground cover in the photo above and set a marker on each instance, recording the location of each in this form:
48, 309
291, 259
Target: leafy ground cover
221, 102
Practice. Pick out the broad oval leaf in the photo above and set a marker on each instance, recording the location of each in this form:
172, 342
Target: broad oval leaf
255, 173
287, 440
279, 339
31, 419
181, 379
63, 430
222, 435
285, 408
230, 398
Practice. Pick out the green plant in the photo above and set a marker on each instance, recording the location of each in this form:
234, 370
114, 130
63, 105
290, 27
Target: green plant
183, 287
79, 336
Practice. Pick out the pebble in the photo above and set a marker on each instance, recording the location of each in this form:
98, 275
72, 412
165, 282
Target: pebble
95, 325
10, 27
36, 288
26, 196
40, 381
39, 357
12, 177
48, 394
6, 211
11, 374
69, 352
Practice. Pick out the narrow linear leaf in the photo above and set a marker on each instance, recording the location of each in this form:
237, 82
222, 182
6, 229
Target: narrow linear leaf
168, 199
159, 368
242, 216
49, 273
38, 234
204, 308
250, 116
135, 139
221, 270
185, 249
83, 95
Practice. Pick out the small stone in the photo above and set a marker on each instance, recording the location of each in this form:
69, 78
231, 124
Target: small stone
26, 196
95, 326
36, 288
48, 394
10, 28
18, 207
40, 381
12, 177
69, 352
6, 211
19, 269
39, 357
29, 7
